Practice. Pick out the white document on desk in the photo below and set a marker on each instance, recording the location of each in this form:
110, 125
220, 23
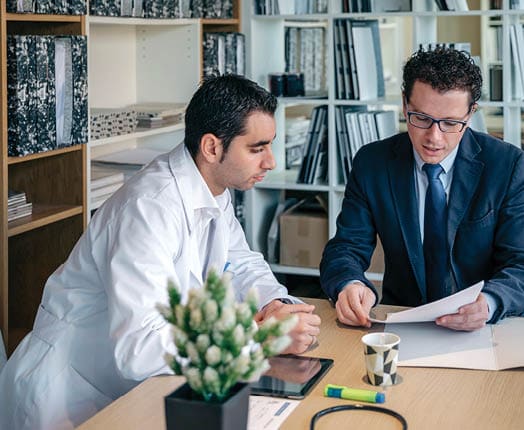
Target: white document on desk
494, 347
268, 413
430, 311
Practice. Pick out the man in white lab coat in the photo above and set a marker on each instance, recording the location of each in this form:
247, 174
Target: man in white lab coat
98, 332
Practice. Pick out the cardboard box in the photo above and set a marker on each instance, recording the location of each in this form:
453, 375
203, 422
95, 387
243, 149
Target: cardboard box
303, 234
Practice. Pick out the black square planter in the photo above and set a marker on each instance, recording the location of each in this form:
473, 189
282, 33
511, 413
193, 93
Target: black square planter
184, 410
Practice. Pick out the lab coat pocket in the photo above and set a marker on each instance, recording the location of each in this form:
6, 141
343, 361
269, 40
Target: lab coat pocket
84, 399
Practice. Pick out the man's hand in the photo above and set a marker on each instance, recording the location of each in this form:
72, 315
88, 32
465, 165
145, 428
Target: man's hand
354, 303
469, 317
305, 332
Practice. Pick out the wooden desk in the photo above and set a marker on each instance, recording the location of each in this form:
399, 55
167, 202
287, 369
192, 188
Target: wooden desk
429, 398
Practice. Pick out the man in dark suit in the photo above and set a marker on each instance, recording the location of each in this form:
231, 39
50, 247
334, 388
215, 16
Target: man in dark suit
441, 231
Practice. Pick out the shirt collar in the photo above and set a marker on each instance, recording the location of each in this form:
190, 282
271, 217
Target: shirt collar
194, 192
446, 163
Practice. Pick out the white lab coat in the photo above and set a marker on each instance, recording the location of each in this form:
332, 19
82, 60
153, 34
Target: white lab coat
98, 332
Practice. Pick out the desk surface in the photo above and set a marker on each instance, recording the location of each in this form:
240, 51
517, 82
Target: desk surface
429, 398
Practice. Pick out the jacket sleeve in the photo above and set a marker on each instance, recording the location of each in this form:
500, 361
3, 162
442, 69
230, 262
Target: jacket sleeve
249, 268
506, 284
348, 254
135, 256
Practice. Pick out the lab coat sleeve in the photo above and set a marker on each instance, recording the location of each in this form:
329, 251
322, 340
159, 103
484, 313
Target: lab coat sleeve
139, 245
249, 268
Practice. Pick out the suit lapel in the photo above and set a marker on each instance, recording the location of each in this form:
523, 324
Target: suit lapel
466, 175
402, 183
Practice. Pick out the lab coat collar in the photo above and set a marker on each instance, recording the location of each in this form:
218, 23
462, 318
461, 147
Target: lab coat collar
196, 196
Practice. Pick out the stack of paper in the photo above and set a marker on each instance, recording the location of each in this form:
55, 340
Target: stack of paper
104, 182
17, 205
156, 114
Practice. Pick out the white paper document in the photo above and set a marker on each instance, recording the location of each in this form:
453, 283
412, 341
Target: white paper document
268, 413
430, 311
493, 347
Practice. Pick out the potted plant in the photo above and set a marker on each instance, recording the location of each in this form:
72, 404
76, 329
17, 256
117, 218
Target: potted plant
219, 348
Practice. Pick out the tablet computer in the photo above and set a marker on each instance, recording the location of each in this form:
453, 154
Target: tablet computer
291, 376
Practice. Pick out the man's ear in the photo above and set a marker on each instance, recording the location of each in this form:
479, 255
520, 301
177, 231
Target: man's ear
211, 148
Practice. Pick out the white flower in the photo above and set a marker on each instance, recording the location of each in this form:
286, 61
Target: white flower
213, 355
241, 365
238, 335
195, 318
193, 378
180, 338
227, 319
202, 342
192, 353
210, 311
212, 380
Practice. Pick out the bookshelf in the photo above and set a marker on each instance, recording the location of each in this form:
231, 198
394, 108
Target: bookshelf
32, 247
142, 60
400, 33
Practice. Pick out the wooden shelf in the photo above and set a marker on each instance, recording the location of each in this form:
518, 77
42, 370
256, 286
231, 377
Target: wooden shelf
40, 155
42, 215
33, 17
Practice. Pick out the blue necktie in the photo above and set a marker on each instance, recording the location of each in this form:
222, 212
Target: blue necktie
435, 234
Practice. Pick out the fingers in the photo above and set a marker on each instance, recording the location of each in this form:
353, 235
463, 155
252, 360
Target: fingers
280, 310
354, 303
305, 333
469, 317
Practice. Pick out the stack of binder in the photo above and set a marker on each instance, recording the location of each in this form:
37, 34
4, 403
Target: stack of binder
356, 127
358, 60
224, 53
313, 169
46, 92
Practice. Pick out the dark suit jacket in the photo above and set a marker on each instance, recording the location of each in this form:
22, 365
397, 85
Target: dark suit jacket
485, 222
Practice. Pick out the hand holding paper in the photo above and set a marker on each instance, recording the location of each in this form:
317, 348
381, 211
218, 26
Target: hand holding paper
432, 311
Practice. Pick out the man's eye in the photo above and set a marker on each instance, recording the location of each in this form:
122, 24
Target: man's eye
257, 150
450, 123
422, 118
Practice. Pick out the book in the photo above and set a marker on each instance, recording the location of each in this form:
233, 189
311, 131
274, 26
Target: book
102, 176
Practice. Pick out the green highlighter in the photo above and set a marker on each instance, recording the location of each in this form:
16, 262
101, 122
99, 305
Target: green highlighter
347, 393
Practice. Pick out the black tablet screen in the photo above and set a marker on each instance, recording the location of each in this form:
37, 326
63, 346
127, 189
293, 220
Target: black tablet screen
291, 376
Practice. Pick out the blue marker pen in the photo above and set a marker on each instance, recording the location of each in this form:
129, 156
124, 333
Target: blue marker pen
353, 394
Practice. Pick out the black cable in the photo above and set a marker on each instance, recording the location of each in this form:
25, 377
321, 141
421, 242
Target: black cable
332, 409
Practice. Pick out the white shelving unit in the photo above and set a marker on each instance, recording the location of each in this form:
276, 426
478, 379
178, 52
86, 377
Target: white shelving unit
133, 60
401, 33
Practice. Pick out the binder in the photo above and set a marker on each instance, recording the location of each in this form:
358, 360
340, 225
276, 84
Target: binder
45, 94
80, 115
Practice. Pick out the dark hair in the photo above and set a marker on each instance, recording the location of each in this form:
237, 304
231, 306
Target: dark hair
221, 106
444, 69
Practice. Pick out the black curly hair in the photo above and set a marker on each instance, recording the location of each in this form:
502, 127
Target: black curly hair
444, 69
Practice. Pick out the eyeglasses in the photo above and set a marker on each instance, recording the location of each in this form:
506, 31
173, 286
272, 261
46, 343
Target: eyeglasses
421, 120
